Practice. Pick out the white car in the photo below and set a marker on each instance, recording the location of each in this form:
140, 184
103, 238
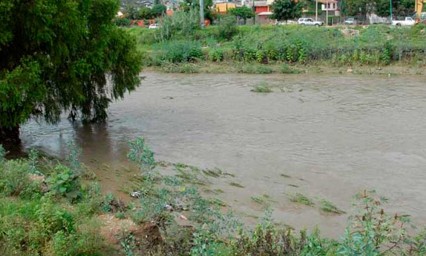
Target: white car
309, 22
408, 21
350, 21
154, 26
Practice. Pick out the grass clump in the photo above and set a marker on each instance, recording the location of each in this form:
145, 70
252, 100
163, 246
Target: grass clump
181, 51
187, 68
254, 69
301, 199
262, 88
286, 69
329, 207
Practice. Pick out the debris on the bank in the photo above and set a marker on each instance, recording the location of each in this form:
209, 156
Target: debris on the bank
135, 194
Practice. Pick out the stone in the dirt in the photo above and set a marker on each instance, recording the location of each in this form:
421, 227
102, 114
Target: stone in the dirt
135, 194
168, 207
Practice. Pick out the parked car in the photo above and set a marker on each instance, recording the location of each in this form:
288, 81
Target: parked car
154, 26
408, 21
309, 22
288, 22
350, 21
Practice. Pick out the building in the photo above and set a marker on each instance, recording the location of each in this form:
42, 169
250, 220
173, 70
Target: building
222, 8
330, 6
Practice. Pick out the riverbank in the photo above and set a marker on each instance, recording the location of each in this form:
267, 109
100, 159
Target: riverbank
284, 68
229, 48
47, 209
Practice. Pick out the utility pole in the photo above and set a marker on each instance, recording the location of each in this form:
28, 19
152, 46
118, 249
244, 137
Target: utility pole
390, 10
254, 10
316, 10
202, 13
326, 13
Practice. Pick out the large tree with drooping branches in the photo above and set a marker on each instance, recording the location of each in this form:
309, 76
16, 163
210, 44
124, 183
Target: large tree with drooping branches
61, 56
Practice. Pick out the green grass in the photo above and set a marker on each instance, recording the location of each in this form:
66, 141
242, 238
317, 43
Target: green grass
262, 88
329, 207
254, 47
301, 199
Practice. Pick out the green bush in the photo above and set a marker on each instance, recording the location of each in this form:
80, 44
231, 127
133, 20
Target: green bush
216, 55
122, 22
64, 182
15, 181
227, 27
180, 25
178, 51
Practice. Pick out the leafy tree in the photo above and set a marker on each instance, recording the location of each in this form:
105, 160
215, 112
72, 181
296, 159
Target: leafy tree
286, 9
62, 56
242, 13
146, 13
355, 7
399, 7
188, 5
132, 12
159, 10
380, 7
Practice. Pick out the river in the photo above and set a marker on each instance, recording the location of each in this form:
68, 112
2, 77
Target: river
325, 136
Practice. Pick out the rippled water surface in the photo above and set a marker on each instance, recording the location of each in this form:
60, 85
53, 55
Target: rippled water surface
332, 135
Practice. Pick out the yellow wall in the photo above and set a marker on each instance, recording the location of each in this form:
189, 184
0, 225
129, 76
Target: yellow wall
224, 7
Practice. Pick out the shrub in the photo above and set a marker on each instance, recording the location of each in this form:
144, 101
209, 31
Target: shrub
64, 182
122, 22
216, 55
182, 24
14, 180
227, 27
178, 51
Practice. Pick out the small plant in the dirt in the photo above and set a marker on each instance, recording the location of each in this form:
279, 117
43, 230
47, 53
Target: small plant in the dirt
329, 207
73, 158
2, 154
374, 232
33, 161
64, 182
141, 154
301, 199
262, 200
106, 203
262, 88
128, 244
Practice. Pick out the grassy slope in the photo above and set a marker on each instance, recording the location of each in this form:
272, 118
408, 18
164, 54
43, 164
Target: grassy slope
303, 47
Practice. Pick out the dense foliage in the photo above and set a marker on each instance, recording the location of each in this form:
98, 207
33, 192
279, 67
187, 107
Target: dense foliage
60, 56
374, 45
286, 9
243, 13
380, 7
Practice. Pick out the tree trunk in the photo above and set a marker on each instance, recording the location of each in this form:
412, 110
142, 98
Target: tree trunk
9, 139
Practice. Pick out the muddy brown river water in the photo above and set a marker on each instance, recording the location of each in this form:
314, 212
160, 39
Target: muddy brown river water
325, 136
